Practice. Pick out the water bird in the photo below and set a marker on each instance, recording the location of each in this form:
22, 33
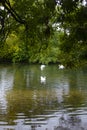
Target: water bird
42, 67
61, 66
43, 79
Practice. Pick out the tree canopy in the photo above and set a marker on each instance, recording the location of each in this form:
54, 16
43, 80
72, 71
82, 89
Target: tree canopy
43, 31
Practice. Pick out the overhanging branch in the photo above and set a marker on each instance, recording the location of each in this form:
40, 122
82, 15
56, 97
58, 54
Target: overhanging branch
13, 13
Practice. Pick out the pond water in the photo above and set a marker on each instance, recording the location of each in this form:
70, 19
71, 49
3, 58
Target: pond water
35, 98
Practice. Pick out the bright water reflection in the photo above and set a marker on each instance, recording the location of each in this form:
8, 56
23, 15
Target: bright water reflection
57, 101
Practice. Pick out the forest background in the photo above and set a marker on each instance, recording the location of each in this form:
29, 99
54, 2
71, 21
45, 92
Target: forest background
43, 31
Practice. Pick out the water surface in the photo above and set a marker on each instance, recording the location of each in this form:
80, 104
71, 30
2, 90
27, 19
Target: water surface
47, 99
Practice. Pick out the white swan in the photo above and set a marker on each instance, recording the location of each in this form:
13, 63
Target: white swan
42, 67
61, 67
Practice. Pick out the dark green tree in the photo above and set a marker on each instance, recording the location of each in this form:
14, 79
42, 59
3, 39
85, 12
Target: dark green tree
32, 22
33, 17
72, 16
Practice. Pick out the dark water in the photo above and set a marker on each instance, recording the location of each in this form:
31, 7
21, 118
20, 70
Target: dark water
48, 99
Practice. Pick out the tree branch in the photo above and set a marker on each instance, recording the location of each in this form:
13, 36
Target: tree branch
9, 8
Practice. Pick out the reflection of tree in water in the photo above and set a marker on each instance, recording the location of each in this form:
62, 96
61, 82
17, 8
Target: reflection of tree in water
65, 123
33, 127
69, 123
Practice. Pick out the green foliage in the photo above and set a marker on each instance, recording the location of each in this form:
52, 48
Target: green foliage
5, 54
72, 16
27, 33
35, 51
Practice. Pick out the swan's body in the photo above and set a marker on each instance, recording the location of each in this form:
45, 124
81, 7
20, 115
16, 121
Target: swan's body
42, 67
61, 67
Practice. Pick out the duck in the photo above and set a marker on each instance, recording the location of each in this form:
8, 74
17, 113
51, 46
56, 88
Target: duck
61, 66
42, 67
